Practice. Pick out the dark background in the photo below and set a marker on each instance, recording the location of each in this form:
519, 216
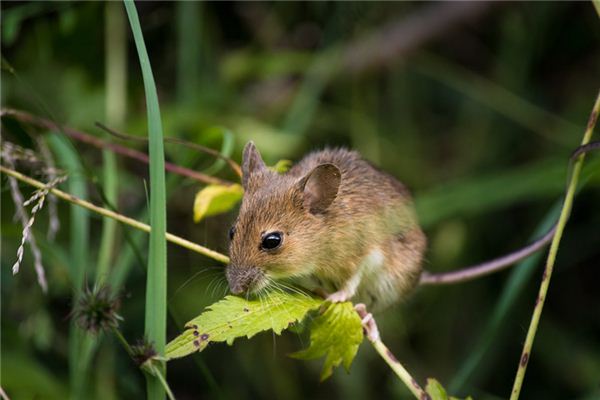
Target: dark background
475, 106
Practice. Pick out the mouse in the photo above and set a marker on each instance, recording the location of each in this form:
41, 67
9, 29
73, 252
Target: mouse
332, 223
338, 226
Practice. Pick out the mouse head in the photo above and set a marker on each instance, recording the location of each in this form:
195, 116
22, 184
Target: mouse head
279, 231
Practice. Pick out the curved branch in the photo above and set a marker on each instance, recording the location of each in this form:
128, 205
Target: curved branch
101, 144
116, 216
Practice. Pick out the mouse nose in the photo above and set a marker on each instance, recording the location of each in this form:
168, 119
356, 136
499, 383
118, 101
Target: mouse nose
240, 279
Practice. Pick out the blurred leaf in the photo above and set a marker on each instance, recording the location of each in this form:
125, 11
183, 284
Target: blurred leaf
235, 317
437, 391
487, 192
281, 166
216, 199
335, 335
25, 377
226, 148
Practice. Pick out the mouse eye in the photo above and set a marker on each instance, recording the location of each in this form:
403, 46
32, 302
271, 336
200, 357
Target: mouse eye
231, 232
271, 240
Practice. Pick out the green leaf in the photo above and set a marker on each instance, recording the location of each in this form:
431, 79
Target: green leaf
235, 317
437, 392
335, 335
216, 199
281, 166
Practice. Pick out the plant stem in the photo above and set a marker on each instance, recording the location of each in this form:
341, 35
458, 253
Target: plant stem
562, 221
372, 332
399, 369
123, 342
101, 144
156, 371
119, 217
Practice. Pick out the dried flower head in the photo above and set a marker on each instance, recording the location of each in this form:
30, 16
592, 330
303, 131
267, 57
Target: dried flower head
97, 310
143, 351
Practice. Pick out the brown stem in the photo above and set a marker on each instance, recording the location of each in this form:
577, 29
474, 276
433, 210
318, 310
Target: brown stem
101, 144
398, 38
194, 146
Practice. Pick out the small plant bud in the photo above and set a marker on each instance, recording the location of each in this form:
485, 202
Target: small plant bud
97, 310
143, 351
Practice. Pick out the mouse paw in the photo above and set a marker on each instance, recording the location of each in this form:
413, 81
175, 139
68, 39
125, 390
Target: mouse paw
338, 297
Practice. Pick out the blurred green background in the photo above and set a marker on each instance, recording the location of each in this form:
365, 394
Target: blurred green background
475, 106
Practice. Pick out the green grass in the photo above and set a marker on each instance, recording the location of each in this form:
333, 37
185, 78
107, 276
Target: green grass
80, 345
156, 283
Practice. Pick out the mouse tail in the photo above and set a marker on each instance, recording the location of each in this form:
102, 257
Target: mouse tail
487, 267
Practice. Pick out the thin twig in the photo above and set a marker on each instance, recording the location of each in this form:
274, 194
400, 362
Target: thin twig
235, 167
372, 332
398, 38
116, 216
101, 144
562, 221
3, 395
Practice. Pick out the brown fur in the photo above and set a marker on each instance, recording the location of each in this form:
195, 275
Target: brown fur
334, 209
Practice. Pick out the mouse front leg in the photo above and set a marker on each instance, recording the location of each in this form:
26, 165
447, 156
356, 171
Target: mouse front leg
370, 264
348, 290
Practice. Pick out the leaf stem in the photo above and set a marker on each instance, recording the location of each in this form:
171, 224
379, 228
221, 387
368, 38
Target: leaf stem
562, 221
372, 333
123, 342
156, 372
116, 216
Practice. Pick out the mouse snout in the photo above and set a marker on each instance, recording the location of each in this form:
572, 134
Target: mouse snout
242, 279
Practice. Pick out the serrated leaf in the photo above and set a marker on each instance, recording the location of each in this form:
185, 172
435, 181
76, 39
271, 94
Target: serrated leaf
335, 335
281, 166
436, 391
235, 317
216, 199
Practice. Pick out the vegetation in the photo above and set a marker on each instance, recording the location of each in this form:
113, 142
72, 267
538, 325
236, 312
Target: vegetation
477, 107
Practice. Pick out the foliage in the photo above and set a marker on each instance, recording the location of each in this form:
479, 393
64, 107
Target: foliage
216, 199
335, 334
477, 118
437, 391
235, 317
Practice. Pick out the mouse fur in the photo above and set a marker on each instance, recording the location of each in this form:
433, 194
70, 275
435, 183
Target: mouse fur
346, 228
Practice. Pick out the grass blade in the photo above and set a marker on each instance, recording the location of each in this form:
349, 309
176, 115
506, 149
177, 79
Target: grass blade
156, 284
79, 258
115, 107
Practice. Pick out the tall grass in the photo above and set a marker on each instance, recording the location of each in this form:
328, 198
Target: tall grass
115, 49
156, 282
79, 343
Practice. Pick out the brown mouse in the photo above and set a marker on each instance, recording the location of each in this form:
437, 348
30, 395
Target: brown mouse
333, 222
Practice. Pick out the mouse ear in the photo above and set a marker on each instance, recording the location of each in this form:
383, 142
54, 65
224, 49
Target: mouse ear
320, 187
251, 162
